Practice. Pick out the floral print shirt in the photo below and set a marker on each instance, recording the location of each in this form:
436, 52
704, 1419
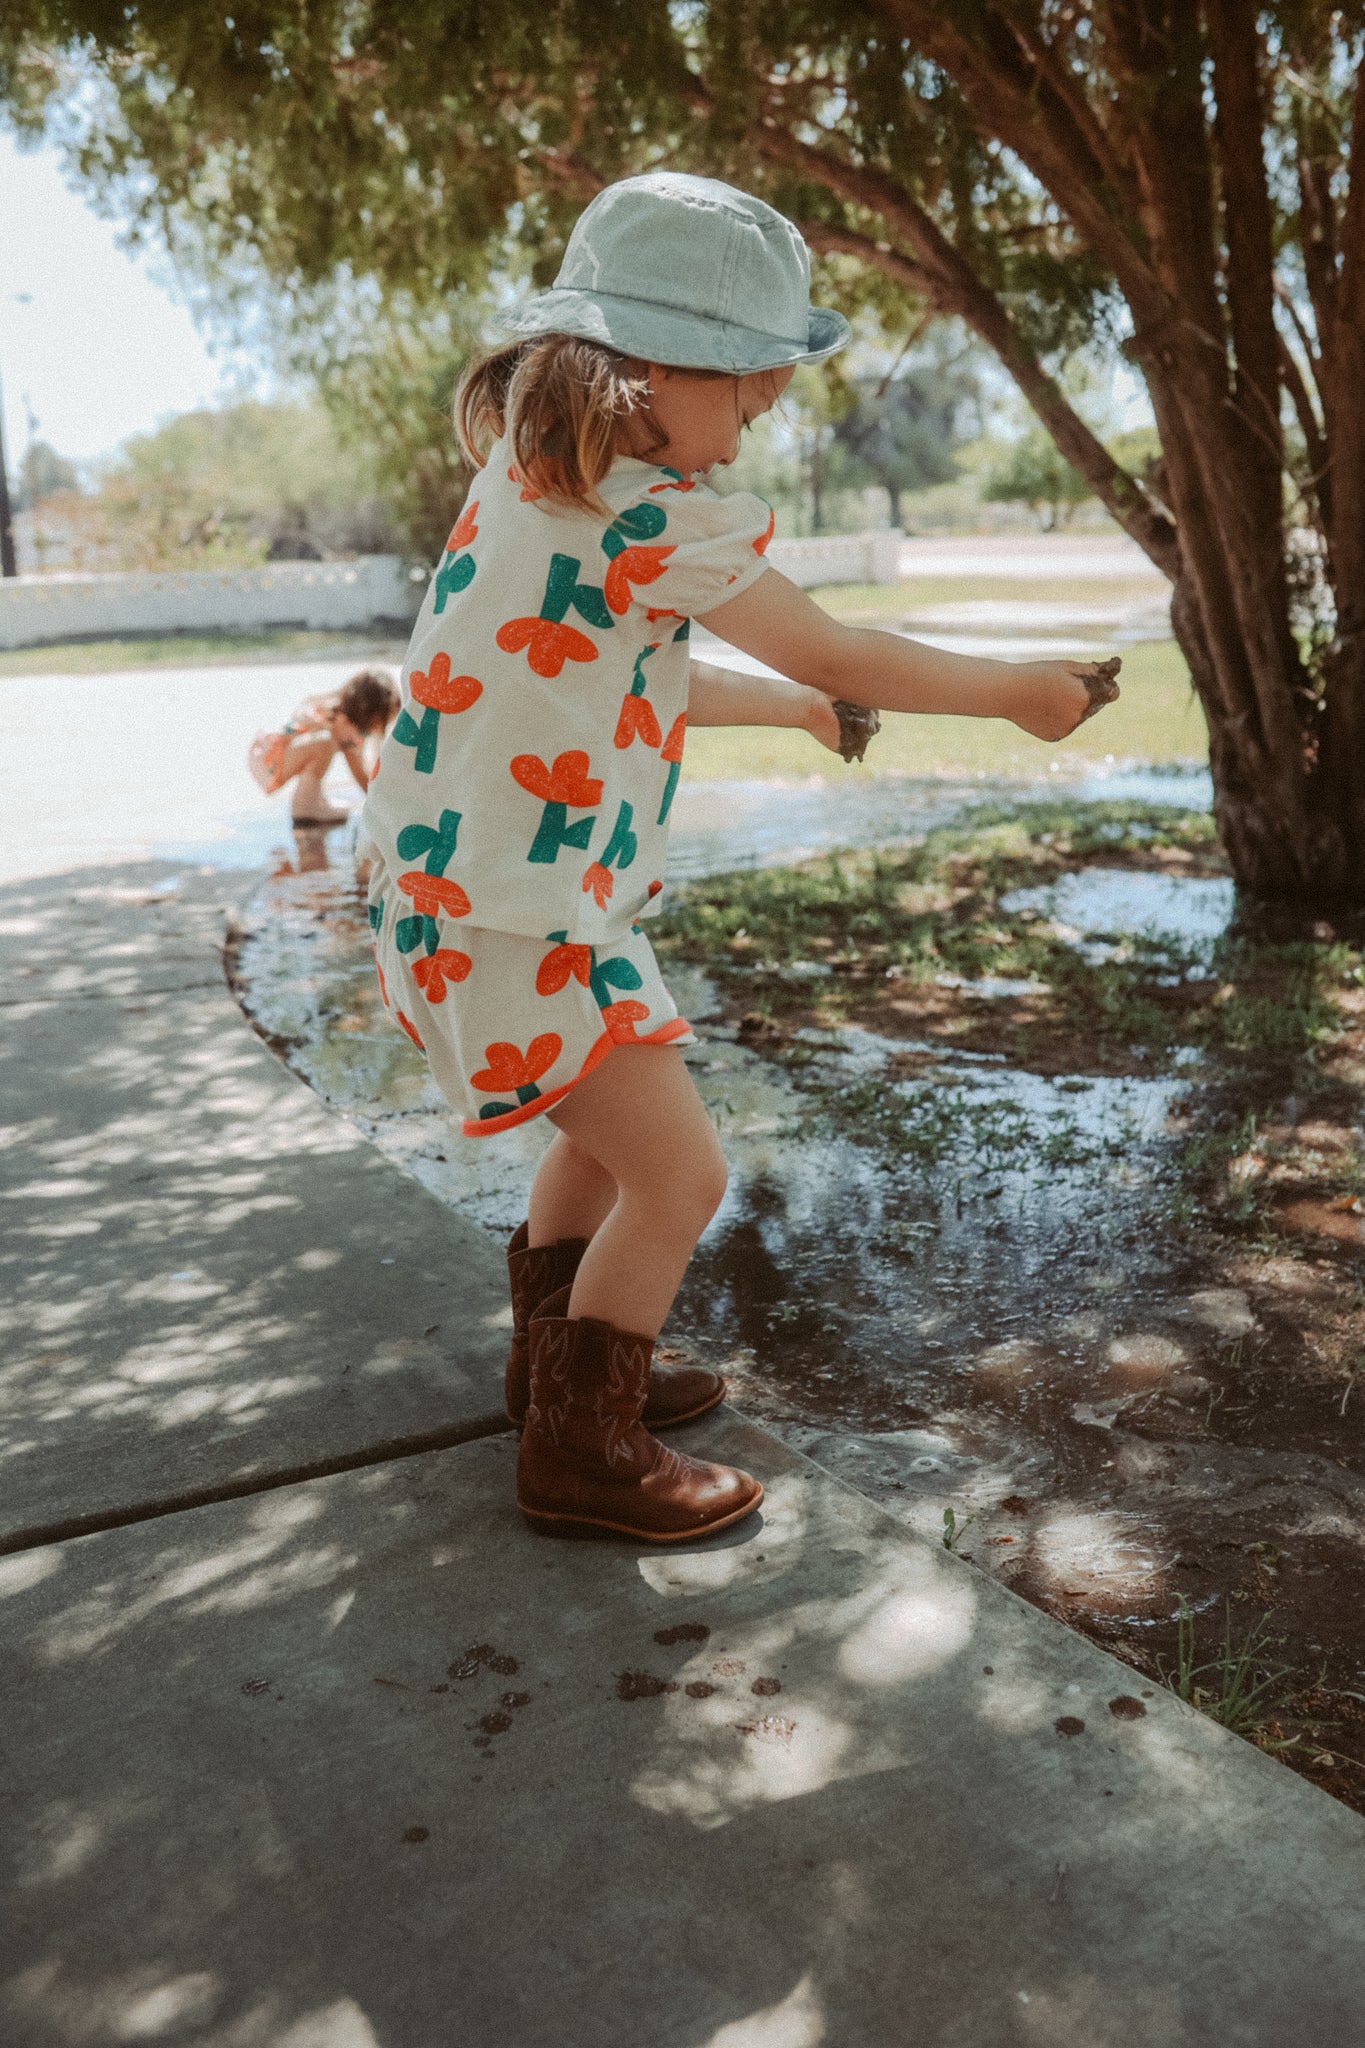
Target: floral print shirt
528, 780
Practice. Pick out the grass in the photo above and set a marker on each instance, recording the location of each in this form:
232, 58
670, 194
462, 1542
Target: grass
193, 650
1157, 719
895, 938
1235, 1686
873, 601
910, 916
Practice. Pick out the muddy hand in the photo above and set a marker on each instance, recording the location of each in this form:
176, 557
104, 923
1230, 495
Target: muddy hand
1101, 680
858, 723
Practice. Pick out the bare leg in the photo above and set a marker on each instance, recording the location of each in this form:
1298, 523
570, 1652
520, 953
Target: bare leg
639, 1117
571, 1195
309, 801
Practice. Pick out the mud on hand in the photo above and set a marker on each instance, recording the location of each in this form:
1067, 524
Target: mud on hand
858, 723
1101, 680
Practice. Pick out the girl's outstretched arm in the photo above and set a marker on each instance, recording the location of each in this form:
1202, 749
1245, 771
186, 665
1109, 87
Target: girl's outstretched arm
778, 623
726, 696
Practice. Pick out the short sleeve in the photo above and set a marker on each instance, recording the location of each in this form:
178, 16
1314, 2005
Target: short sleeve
683, 548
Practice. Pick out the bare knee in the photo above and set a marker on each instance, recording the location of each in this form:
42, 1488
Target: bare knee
697, 1189
685, 1195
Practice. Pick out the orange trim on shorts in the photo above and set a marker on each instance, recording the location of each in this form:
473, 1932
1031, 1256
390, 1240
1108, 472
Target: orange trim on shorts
488, 1127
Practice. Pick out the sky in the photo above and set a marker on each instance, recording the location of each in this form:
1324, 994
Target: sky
101, 349
95, 343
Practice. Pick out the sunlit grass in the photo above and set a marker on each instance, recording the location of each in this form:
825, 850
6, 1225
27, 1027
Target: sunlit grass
194, 650
1157, 718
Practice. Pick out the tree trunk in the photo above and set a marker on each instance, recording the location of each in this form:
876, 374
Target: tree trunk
817, 483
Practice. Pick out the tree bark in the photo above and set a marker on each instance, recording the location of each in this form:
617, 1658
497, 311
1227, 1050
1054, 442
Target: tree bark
1180, 211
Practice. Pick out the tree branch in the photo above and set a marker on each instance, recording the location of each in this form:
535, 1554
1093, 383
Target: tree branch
1013, 103
1320, 476
955, 289
1238, 128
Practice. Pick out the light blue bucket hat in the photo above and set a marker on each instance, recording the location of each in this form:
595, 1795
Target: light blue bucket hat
690, 272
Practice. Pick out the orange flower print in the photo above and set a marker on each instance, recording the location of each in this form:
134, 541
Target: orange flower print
672, 748
547, 643
410, 1031
560, 966
434, 970
632, 559
383, 985
568, 782
598, 880
464, 530
621, 1019
761, 544
456, 572
528, 496
433, 895
632, 565
672, 752
637, 722
665, 612
512, 1071
439, 690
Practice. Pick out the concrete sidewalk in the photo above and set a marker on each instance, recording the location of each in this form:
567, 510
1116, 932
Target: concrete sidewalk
207, 1278
358, 1762
362, 1763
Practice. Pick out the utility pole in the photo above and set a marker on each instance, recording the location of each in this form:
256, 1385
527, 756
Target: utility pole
8, 565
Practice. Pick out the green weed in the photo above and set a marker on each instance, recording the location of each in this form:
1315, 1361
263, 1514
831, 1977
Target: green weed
1235, 1686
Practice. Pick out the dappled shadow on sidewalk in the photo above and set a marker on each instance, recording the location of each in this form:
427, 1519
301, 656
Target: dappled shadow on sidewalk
363, 1764
206, 1275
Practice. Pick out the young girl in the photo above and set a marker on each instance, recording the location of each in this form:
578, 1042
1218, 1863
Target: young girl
318, 731
519, 815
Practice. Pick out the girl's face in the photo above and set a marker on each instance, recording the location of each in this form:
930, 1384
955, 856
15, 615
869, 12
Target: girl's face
704, 416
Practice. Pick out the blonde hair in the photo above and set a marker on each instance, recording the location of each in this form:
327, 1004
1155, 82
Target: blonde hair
567, 405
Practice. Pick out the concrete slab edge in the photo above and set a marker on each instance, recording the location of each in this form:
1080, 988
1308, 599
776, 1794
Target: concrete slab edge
39, 1534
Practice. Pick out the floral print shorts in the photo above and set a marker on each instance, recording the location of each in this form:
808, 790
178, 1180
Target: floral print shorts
509, 1024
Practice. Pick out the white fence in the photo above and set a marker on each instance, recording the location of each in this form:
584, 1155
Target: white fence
839, 558
372, 593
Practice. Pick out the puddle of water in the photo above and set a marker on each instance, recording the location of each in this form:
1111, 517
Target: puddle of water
719, 826
956, 1283
1116, 902
857, 1278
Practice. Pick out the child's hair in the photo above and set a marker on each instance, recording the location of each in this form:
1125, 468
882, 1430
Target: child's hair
370, 699
565, 403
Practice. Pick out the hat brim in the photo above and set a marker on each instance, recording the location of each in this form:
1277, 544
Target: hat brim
667, 334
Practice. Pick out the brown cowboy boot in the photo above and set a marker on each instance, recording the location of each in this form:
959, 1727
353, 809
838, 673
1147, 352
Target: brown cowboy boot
677, 1393
586, 1459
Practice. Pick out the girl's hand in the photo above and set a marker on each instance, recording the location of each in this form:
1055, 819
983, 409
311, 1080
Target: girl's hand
1051, 698
343, 732
842, 727
822, 720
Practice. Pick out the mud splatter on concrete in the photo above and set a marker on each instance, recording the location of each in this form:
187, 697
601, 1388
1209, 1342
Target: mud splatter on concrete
769, 1728
642, 1685
682, 1632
